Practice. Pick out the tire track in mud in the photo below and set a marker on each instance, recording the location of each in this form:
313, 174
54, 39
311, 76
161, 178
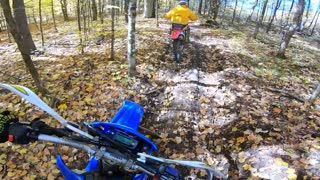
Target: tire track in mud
198, 61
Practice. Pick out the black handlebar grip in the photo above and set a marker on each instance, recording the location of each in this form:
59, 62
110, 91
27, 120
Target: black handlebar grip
6, 120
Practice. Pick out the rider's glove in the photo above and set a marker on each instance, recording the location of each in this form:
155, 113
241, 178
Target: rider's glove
19, 133
6, 120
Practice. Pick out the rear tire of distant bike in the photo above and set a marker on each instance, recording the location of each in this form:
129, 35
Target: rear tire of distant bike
177, 53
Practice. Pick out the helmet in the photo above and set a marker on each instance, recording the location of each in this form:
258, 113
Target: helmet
183, 2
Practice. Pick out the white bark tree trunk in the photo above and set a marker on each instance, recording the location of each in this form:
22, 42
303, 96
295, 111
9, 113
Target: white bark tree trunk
131, 54
149, 9
315, 93
289, 33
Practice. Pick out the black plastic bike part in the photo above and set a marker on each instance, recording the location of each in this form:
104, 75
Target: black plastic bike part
42, 128
20, 134
6, 120
103, 137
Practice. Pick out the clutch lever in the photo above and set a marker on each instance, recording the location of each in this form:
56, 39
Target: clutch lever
195, 164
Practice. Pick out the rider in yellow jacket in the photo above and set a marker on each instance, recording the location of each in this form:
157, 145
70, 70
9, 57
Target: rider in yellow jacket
181, 14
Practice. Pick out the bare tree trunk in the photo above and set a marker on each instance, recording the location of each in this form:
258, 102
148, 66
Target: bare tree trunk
314, 26
253, 8
126, 10
282, 14
112, 31
307, 14
200, 7
314, 17
266, 16
157, 13
289, 33
41, 29
241, 9
79, 24
206, 2
131, 39
290, 10
21, 19
100, 11
19, 29
8, 32
34, 18
259, 23
224, 11
278, 3
64, 8
234, 11
149, 9
214, 10
94, 10
53, 17
315, 94
138, 6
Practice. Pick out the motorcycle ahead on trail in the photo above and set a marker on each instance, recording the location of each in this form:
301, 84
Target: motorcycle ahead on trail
117, 149
178, 39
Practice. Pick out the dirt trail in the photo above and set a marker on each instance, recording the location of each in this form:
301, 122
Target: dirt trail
207, 91
213, 107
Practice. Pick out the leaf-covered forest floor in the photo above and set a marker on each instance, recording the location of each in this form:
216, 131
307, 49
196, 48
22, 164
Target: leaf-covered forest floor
231, 103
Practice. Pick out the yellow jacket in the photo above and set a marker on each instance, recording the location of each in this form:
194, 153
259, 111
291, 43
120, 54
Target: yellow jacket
181, 14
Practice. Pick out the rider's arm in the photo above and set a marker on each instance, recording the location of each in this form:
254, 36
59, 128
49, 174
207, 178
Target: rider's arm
170, 13
192, 16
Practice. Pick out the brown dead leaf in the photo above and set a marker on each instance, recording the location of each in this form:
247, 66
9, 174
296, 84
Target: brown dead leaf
277, 110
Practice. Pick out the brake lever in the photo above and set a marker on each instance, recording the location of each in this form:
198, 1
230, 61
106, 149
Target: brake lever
195, 164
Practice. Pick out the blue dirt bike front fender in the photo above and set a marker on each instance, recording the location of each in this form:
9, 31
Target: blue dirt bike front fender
126, 119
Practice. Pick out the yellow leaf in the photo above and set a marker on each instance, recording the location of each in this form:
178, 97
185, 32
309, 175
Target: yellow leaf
88, 100
234, 129
11, 174
16, 147
246, 167
55, 171
240, 140
55, 77
62, 107
23, 173
316, 146
291, 171
32, 177
279, 161
23, 151
292, 176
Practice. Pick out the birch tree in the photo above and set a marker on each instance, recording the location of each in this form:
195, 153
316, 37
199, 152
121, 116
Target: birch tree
131, 54
149, 9
292, 29
315, 93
